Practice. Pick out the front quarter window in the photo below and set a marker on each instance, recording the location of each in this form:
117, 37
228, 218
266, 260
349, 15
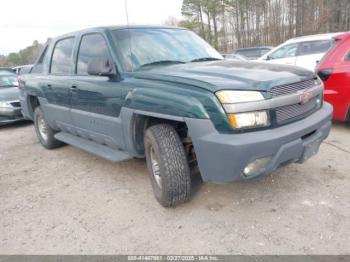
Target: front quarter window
39, 66
140, 46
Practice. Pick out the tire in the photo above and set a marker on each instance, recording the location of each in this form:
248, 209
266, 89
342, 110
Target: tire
43, 131
170, 173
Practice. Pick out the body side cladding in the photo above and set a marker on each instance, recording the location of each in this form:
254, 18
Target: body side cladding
31, 93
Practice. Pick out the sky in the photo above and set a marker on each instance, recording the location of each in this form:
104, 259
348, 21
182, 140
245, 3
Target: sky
23, 21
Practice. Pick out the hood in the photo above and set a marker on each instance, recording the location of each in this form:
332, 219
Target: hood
225, 74
9, 93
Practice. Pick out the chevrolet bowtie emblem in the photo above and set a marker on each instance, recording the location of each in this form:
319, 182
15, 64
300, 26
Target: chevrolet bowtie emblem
305, 97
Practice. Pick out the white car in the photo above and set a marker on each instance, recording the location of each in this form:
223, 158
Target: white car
305, 51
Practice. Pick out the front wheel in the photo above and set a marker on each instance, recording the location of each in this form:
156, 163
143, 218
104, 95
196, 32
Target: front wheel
43, 131
167, 165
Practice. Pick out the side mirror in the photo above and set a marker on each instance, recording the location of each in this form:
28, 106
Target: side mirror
268, 58
102, 67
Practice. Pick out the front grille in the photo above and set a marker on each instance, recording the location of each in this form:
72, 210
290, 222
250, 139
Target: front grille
287, 114
292, 88
15, 104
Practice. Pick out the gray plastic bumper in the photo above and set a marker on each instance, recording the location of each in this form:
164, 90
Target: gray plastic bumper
10, 112
223, 157
10, 115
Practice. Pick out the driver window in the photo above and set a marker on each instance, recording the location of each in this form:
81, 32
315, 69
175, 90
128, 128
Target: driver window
92, 46
285, 52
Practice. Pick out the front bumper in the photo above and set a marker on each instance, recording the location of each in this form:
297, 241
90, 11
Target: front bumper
223, 157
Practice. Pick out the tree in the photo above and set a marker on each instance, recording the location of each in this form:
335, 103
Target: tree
172, 21
227, 24
25, 56
192, 11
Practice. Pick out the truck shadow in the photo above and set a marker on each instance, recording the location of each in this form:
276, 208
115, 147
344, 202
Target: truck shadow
341, 124
15, 125
196, 181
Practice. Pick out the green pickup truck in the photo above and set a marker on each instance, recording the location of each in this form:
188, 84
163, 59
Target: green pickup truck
163, 93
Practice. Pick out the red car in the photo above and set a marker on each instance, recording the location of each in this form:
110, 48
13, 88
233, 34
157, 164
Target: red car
334, 70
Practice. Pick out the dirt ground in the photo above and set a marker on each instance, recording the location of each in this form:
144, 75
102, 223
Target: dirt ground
66, 201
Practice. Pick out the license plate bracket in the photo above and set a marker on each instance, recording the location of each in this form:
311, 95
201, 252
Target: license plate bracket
310, 149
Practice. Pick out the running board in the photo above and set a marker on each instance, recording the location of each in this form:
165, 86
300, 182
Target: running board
92, 147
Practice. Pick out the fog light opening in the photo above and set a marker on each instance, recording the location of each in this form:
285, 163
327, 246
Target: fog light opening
257, 166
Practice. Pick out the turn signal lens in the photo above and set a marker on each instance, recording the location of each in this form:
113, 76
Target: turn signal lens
249, 120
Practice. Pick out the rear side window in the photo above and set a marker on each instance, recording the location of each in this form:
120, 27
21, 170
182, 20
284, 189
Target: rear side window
315, 47
62, 59
92, 46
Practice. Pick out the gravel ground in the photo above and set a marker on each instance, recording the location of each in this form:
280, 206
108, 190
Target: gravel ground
66, 201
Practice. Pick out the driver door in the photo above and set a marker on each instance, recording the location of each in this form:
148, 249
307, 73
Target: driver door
96, 100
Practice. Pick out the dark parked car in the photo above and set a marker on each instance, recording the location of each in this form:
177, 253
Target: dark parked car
252, 53
8, 69
10, 107
163, 93
234, 57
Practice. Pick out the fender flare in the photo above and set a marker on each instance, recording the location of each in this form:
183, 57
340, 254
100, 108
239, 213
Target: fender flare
128, 118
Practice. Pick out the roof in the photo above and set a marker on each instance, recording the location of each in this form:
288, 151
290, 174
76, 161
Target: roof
342, 36
252, 48
120, 27
313, 37
21, 66
140, 27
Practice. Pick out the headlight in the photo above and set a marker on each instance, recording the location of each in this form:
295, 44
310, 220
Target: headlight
246, 119
231, 97
4, 104
249, 120
5, 107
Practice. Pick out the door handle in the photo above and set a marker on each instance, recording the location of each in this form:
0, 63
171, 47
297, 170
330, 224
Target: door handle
49, 86
73, 88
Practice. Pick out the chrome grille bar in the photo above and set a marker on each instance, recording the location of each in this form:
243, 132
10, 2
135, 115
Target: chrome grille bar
292, 88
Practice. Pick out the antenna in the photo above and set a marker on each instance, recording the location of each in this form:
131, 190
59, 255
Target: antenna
126, 11
129, 33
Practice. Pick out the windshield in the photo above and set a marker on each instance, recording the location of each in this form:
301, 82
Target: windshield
8, 81
141, 47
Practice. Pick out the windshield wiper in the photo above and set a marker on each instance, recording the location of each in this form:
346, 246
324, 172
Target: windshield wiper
202, 59
161, 62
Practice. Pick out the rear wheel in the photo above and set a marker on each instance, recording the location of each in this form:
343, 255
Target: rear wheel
44, 132
167, 165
